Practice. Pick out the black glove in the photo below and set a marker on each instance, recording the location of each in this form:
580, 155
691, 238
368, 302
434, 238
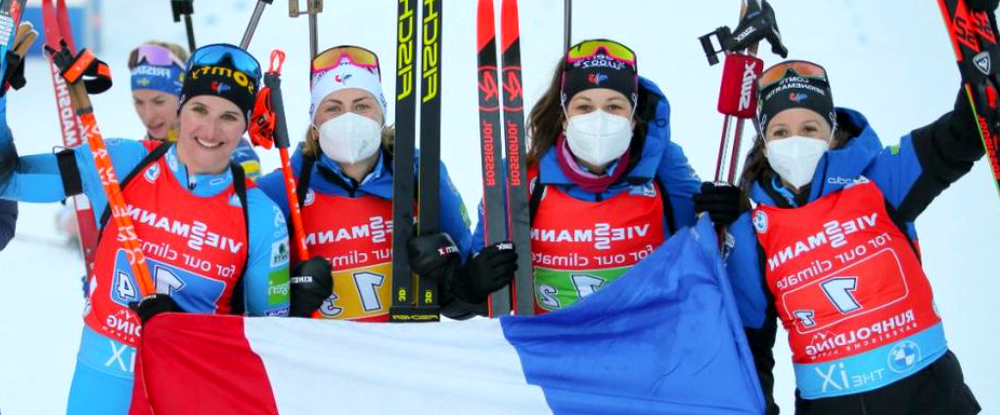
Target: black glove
434, 256
721, 201
982, 5
152, 305
485, 273
311, 283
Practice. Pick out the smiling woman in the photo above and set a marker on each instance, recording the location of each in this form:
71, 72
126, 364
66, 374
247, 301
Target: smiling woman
193, 186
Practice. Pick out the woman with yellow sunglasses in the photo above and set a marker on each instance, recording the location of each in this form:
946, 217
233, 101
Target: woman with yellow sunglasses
830, 250
344, 174
607, 184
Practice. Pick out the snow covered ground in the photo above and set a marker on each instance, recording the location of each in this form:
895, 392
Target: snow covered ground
888, 59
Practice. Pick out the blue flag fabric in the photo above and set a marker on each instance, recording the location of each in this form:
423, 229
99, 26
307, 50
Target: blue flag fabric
665, 338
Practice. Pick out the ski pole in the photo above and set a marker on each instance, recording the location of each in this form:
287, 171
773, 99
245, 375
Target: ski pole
258, 10
567, 24
270, 128
313, 8
973, 35
72, 70
56, 29
185, 8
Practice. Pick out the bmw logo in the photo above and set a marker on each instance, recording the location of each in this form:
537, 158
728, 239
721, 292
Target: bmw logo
903, 356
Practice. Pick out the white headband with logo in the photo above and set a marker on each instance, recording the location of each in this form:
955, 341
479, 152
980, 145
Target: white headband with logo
346, 75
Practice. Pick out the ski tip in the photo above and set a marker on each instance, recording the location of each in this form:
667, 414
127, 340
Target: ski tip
485, 24
509, 27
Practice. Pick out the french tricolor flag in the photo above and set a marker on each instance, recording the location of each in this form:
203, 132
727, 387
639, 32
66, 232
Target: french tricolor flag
663, 339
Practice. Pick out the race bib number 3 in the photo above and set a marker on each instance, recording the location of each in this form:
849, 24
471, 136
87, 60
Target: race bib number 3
854, 291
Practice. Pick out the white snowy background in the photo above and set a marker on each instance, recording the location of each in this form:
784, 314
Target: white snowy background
888, 59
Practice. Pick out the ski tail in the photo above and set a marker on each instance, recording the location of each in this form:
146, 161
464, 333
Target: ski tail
974, 39
428, 198
71, 128
491, 150
85, 123
517, 177
403, 294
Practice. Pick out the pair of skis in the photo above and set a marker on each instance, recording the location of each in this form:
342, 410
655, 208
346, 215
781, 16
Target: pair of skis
974, 38
78, 120
57, 29
415, 298
505, 193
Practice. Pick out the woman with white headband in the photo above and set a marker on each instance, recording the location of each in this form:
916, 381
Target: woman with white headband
344, 173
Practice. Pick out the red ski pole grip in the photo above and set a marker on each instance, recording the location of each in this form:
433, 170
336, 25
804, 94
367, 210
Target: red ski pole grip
738, 93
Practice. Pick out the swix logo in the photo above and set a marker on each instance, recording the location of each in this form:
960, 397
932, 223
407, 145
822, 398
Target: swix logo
743, 35
596, 78
220, 87
512, 90
489, 94
342, 79
602, 235
746, 91
982, 61
797, 96
833, 233
196, 232
377, 230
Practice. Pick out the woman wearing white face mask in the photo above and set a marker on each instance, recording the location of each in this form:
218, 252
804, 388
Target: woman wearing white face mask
601, 160
830, 250
344, 172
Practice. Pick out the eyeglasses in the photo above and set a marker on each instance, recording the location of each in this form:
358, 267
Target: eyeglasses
358, 56
590, 48
154, 55
801, 68
215, 54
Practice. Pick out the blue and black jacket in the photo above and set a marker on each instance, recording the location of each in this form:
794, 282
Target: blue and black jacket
323, 175
653, 157
910, 175
8, 218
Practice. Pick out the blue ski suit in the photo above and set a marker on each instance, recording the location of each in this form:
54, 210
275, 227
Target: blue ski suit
909, 175
102, 383
327, 178
8, 220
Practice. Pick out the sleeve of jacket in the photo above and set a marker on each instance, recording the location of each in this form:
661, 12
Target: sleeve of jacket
928, 160
681, 183
453, 217
754, 302
265, 280
8, 219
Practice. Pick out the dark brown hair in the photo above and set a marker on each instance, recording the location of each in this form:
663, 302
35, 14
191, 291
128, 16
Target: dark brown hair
545, 122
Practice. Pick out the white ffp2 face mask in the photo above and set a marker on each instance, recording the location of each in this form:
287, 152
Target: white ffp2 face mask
795, 158
350, 138
598, 137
